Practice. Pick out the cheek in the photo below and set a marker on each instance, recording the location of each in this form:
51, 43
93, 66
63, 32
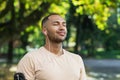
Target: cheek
65, 30
53, 29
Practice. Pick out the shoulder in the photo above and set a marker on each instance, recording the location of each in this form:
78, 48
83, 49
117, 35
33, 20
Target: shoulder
34, 52
31, 55
73, 55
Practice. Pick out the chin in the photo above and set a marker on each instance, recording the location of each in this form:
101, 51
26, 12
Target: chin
59, 40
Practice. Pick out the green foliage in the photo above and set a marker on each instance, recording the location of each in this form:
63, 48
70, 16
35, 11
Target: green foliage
2, 6
36, 39
113, 54
92, 24
98, 10
94, 27
60, 8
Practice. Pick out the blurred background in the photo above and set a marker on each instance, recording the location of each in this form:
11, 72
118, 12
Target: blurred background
93, 32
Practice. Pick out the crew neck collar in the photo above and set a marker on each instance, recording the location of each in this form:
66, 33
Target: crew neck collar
50, 53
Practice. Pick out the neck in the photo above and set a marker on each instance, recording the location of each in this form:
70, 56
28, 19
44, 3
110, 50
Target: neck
54, 48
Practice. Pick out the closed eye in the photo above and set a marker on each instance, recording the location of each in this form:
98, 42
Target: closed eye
56, 23
64, 24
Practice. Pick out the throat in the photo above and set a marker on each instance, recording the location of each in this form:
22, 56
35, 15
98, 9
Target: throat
59, 52
55, 50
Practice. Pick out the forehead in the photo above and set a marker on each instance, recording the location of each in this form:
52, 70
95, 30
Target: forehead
56, 18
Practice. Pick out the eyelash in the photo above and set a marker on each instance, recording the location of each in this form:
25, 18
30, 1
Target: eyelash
58, 23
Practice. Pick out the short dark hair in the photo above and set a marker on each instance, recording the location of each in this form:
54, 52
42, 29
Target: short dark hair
46, 18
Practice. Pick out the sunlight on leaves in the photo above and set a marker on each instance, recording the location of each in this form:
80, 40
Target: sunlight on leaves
29, 29
79, 2
60, 8
2, 5
79, 10
96, 9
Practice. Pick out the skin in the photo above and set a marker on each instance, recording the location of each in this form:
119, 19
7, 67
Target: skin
55, 32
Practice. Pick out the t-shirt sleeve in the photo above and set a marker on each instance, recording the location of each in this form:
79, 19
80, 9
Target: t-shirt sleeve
82, 72
26, 66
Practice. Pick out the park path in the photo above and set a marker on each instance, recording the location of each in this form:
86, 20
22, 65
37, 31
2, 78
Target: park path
103, 69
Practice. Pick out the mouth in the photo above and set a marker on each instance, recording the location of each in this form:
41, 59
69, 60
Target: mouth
62, 33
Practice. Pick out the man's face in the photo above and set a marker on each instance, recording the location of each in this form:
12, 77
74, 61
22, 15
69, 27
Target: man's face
56, 28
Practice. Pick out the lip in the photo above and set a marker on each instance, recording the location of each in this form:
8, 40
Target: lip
61, 33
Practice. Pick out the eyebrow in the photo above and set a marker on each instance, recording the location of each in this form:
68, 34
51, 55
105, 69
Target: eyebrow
58, 21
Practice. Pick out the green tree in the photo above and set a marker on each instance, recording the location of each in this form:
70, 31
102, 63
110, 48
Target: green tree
90, 19
16, 16
20, 20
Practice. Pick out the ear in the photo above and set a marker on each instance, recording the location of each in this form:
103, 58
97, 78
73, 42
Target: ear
44, 31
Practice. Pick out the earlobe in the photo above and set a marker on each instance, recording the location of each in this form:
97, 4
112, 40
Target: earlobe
44, 31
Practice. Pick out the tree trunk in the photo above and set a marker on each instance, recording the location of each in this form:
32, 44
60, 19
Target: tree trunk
10, 52
76, 48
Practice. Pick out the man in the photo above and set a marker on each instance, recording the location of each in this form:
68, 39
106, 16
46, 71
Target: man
51, 61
